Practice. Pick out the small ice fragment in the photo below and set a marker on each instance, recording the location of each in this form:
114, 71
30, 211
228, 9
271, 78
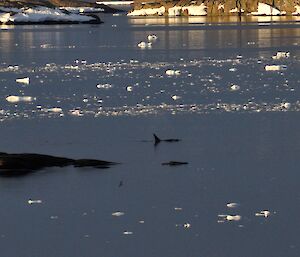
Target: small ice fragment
233, 69
141, 221
142, 45
234, 87
275, 67
233, 217
117, 213
16, 99
152, 37
129, 88
23, 80
127, 232
232, 205
53, 217
187, 225
281, 55
149, 45
30, 201
286, 105
264, 213
177, 208
54, 109
173, 72
175, 97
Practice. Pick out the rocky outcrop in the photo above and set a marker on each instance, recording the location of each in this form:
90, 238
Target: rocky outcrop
216, 7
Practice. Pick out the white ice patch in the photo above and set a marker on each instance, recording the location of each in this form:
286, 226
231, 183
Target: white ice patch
152, 37
43, 14
297, 12
173, 72
118, 214
16, 99
236, 10
30, 201
149, 11
192, 10
265, 9
144, 45
23, 80
281, 55
275, 67
232, 205
234, 87
264, 213
82, 9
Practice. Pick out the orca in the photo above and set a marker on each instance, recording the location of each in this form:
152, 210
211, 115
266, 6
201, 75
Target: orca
157, 140
24, 163
174, 163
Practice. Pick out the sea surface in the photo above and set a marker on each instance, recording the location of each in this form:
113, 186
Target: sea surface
89, 91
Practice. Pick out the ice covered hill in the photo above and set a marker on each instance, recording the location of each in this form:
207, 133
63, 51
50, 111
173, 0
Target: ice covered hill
215, 7
19, 12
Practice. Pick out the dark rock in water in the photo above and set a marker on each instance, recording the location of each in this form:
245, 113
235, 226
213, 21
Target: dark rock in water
157, 140
24, 163
174, 163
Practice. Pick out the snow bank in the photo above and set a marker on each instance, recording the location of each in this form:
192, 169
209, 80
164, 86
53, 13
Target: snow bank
82, 9
196, 10
297, 12
192, 10
149, 11
265, 9
42, 14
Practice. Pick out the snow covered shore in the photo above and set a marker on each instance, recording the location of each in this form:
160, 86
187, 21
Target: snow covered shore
43, 15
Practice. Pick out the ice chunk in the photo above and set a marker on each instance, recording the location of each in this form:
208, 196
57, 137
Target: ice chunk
232, 205
127, 232
30, 201
281, 55
129, 88
234, 87
275, 67
117, 213
187, 225
23, 80
16, 99
152, 37
264, 213
173, 72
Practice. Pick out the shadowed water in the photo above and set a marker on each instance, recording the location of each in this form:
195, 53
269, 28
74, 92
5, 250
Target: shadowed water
95, 94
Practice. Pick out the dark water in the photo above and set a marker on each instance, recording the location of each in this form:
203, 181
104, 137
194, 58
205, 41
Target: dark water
242, 143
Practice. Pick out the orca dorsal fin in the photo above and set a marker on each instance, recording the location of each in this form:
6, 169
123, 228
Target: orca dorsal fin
157, 139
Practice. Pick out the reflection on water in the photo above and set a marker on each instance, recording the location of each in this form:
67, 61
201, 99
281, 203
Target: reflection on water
213, 20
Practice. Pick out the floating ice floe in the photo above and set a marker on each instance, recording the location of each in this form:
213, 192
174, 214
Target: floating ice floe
16, 99
144, 45
152, 37
234, 87
265, 9
187, 225
129, 88
23, 80
117, 214
127, 232
104, 86
264, 213
54, 109
177, 208
226, 217
176, 97
281, 55
275, 67
30, 201
173, 72
286, 105
232, 205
